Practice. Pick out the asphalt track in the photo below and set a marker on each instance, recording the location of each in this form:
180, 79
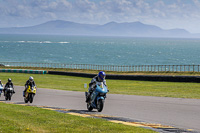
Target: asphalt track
176, 112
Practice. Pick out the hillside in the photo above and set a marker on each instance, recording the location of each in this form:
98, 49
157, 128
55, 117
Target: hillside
135, 29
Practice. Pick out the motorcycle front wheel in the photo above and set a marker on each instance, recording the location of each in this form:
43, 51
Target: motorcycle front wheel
100, 105
9, 98
31, 98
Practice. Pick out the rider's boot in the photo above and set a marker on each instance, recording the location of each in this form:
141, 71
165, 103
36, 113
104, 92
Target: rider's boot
23, 93
88, 98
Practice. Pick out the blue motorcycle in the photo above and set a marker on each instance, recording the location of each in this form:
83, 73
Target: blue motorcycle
97, 98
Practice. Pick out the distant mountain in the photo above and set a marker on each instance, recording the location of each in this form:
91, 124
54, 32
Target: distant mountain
135, 29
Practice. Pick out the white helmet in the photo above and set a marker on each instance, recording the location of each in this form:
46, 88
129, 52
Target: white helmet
31, 79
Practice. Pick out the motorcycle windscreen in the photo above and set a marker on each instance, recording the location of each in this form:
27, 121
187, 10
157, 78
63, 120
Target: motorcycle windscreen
102, 88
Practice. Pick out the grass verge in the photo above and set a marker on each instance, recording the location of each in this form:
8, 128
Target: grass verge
20, 119
129, 87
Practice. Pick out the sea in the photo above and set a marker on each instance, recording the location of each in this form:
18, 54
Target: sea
99, 50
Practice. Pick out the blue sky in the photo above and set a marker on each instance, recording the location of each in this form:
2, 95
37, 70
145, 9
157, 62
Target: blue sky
167, 14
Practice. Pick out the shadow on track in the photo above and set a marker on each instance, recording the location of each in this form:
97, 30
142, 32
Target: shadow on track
2, 100
20, 103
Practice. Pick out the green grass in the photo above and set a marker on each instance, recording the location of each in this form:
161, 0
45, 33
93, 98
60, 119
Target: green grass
160, 89
130, 87
20, 119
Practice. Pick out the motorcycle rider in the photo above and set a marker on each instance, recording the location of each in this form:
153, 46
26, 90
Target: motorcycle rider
8, 84
96, 80
1, 84
30, 82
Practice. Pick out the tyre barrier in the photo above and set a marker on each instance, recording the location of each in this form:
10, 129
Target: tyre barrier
166, 78
23, 71
87, 75
195, 79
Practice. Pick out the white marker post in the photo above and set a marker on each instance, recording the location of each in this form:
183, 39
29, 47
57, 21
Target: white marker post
85, 85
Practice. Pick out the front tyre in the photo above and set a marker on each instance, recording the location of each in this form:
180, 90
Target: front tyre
31, 98
9, 98
100, 105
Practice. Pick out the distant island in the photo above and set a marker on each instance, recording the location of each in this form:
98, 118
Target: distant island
133, 29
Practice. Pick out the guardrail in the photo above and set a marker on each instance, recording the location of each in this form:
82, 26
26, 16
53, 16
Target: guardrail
118, 68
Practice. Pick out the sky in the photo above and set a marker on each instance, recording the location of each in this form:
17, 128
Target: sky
167, 14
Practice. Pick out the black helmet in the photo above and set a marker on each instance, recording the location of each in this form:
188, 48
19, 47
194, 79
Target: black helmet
9, 80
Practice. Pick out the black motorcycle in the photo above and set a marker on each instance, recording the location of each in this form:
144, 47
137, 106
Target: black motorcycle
8, 93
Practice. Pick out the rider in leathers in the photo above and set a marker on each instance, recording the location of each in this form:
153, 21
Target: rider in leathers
1, 84
96, 80
29, 82
8, 84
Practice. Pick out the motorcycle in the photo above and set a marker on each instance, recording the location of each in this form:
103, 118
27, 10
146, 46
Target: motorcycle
97, 98
29, 94
1, 89
8, 93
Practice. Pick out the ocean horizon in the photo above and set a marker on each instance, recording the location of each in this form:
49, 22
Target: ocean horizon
99, 50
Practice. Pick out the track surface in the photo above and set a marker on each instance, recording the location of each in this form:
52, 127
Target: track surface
176, 112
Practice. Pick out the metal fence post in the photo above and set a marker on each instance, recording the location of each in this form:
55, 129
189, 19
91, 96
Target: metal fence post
193, 68
119, 68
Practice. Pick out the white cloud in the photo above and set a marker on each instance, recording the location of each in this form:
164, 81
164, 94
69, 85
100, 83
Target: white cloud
196, 2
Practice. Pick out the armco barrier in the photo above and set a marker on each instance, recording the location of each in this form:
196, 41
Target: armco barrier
135, 77
115, 68
23, 71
